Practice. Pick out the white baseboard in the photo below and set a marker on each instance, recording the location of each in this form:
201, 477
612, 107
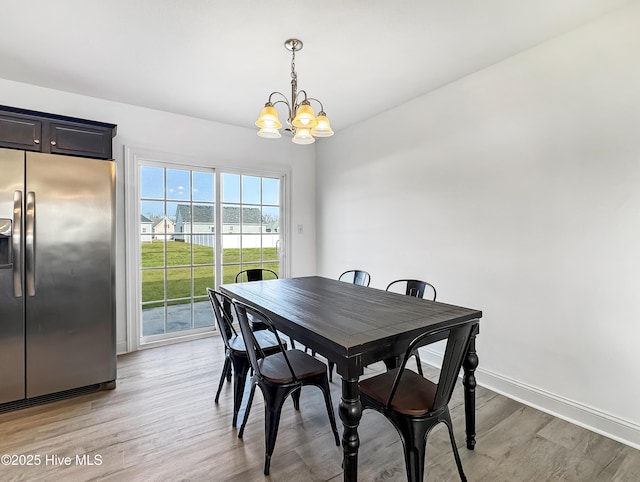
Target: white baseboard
577, 413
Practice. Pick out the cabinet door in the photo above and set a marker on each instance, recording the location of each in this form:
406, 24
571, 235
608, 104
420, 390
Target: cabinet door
20, 132
78, 140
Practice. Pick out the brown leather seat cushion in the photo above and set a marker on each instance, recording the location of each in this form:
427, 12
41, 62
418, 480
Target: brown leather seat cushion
274, 367
414, 396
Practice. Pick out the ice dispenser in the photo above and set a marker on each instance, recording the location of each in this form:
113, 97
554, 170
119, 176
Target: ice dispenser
6, 259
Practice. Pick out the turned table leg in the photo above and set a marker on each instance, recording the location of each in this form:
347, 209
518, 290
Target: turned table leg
350, 413
469, 381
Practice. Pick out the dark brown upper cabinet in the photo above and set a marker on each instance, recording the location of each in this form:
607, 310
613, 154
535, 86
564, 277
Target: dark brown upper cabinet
55, 134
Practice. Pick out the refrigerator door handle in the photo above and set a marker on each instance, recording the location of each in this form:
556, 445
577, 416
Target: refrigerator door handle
30, 241
16, 243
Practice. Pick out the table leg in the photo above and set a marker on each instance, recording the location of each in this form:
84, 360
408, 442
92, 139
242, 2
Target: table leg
469, 381
350, 413
392, 362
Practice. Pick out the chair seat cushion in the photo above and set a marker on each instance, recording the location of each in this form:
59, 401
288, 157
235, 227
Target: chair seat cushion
415, 394
274, 367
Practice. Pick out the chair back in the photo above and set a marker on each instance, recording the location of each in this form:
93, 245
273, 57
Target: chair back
458, 338
255, 274
356, 276
414, 287
254, 351
222, 316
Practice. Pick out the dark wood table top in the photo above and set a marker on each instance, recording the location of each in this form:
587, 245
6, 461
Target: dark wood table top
348, 324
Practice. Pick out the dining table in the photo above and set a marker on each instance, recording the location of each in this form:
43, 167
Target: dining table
355, 326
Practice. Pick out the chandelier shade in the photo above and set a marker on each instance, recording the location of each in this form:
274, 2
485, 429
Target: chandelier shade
305, 117
269, 133
303, 136
268, 118
323, 128
301, 118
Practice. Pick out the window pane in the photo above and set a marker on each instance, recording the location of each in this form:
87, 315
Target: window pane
231, 188
251, 248
230, 257
270, 219
152, 285
203, 186
178, 283
202, 315
203, 278
250, 190
202, 218
203, 249
270, 191
230, 249
152, 210
153, 319
171, 211
163, 226
151, 182
152, 252
178, 184
179, 317
183, 220
251, 219
231, 219
270, 248
179, 252
229, 274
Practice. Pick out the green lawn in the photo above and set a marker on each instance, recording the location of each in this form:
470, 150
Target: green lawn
179, 255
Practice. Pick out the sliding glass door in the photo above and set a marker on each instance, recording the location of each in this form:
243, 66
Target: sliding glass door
199, 228
177, 248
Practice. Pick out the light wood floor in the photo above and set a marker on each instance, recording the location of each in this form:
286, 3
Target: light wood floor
161, 424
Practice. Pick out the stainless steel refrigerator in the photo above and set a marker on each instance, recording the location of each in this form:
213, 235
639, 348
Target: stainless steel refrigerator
57, 310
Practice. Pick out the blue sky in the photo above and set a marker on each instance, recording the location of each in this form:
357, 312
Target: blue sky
199, 187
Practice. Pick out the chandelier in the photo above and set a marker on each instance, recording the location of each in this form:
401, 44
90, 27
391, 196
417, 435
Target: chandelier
301, 119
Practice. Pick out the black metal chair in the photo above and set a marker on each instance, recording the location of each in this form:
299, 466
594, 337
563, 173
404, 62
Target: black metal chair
415, 288
413, 404
356, 276
235, 350
255, 274
279, 375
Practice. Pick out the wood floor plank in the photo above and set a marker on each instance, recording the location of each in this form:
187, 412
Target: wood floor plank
161, 424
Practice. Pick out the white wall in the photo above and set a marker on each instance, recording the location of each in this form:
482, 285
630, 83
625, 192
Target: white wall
214, 143
515, 190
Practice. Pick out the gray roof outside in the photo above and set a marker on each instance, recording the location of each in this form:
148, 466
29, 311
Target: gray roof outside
144, 219
230, 214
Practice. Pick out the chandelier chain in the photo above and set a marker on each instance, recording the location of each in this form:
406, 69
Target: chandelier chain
294, 76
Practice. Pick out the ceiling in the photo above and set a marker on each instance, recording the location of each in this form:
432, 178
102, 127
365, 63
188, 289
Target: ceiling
220, 60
